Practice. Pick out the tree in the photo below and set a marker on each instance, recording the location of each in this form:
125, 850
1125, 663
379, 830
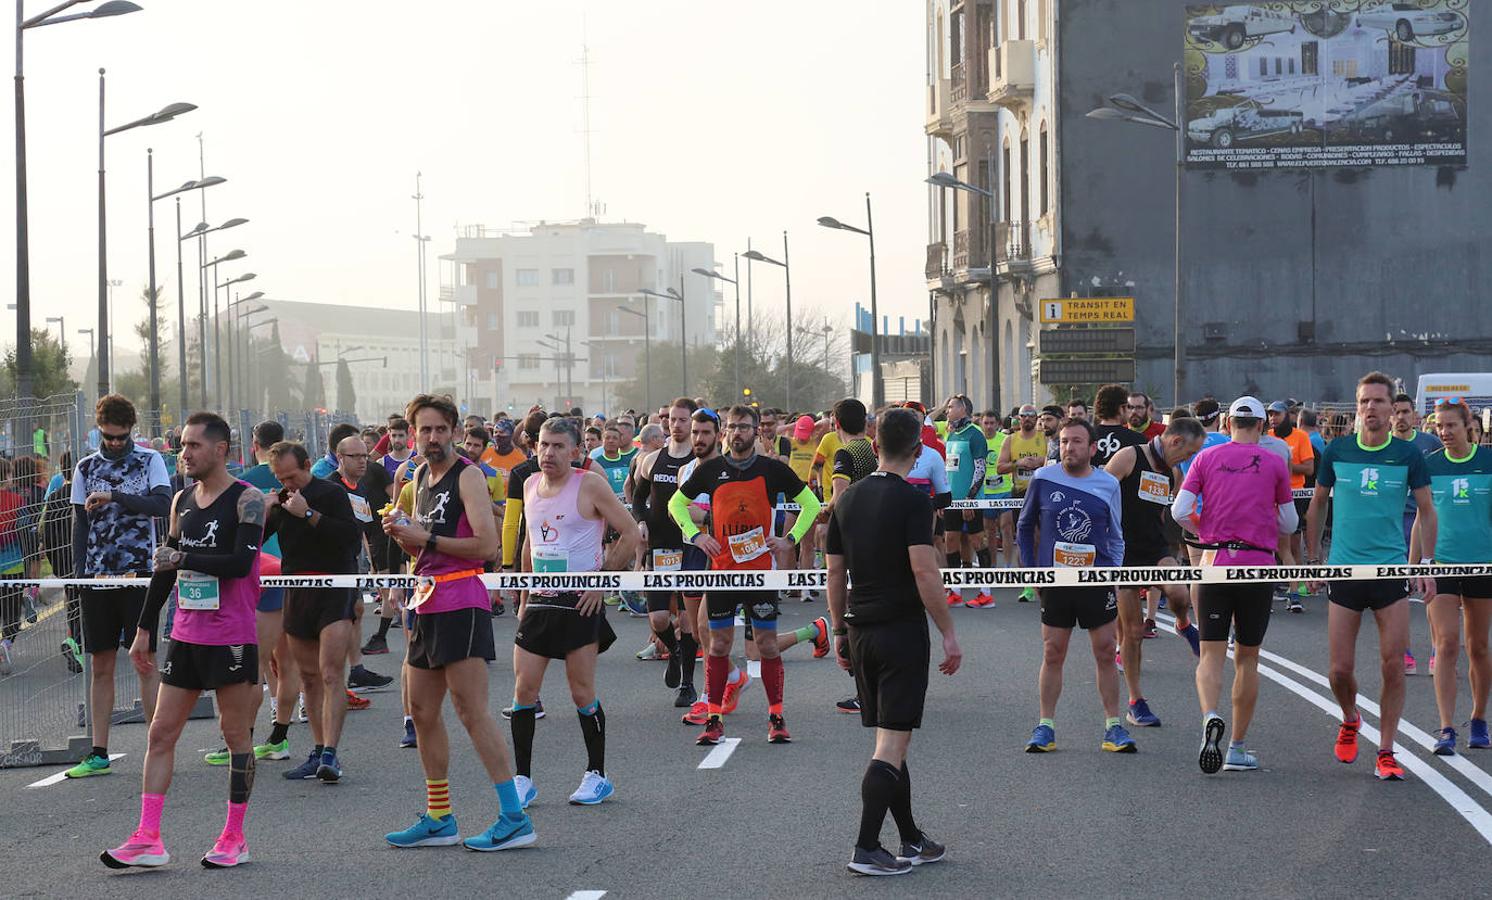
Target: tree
278, 393
346, 392
49, 367
667, 375
314, 395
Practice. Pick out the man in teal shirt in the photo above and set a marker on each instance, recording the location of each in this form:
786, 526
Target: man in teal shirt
614, 464
964, 460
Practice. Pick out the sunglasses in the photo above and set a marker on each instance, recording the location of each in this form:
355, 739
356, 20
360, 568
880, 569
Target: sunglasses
1450, 401
114, 438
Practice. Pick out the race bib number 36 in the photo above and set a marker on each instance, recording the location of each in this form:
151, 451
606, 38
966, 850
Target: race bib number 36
196, 591
748, 545
1073, 556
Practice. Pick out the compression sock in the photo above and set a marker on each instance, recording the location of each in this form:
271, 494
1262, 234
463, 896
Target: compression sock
383, 625
150, 812
772, 678
901, 809
688, 646
523, 738
593, 729
507, 799
952, 561
668, 639
280, 732
233, 825
100, 752
717, 671
877, 791
437, 798
240, 777
983, 556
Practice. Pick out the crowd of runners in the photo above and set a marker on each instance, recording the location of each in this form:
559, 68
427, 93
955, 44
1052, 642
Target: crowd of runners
893, 503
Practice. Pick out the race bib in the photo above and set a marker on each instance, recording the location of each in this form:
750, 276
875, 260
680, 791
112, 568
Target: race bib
748, 545
196, 591
422, 592
1155, 488
360, 508
955, 458
548, 559
1073, 556
668, 560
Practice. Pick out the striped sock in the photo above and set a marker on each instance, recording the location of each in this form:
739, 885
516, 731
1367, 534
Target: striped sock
437, 798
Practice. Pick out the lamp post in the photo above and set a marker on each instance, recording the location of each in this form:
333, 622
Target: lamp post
61, 332
155, 366
569, 364
165, 114
232, 330
421, 239
199, 232
605, 373
877, 395
671, 294
787, 275
23, 251
647, 350
711, 273
217, 373
945, 180
222, 395
241, 350
1125, 108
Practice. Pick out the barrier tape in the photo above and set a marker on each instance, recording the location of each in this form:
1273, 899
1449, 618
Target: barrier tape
790, 579
1017, 503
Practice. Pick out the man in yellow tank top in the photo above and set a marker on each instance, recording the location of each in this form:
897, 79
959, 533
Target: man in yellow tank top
1023, 453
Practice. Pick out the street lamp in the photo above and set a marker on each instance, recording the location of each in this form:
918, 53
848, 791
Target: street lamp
876, 393
945, 180
711, 273
758, 256
181, 357
647, 350
201, 229
1125, 108
61, 331
217, 348
605, 372
234, 317
164, 114
23, 252
671, 294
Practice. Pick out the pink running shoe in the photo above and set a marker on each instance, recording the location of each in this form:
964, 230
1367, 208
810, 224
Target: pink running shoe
1410, 667
229, 851
142, 850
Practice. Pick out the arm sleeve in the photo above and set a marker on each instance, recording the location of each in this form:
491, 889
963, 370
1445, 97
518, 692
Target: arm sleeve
156, 504
1025, 526
1184, 506
810, 512
678, 508
1288, 517
512, 515
80, 537
156, 595
1116, 529
236, 564
976, 483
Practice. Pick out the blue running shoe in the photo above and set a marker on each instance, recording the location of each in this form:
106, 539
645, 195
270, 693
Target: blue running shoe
1241, 760
1210, 757
330, 770
305, 770
1478, 739
1139, 714
1445, 745
636, 603
1194, 638
409, 740
1043, 739
1117, 740
527, 793
505, 834
594, 788
426, 832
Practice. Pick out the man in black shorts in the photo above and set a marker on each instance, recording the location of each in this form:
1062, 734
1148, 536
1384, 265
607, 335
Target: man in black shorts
366, 486
319, 536
880, 535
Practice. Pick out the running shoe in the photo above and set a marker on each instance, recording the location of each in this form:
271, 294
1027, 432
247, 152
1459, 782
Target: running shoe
498, 609
527, 793
1410, 666
273, 751
1388, 768
982, 601
360, 679
375, 646
1027, 595
1117, 740
636, 603
1241, 760
821, 637
92, 764
698, 714
612, 600
72, 654
538, 710
1043, 739
219, 757
1150, 629
1119, 660
306, 770
925, 850
1139, 714
1193, 637
300, 709
426, 832
1292, 604
5, 663
1303, 590
850, 704
330, 770
777, 731
1432, 664
675, 671
229, 851
356, 702
878, 862
713, 734
954, 599
733, 692
1346, 749
686, 697
142, 850
1445, 745
28, 603
505, 834
810, 596
1478, 739
409, 741
649, 652
1210, 757
594, 788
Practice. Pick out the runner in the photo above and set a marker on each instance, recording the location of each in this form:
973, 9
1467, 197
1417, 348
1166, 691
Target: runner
1405, 419
1022, 453
965, 458
212, 558
881, 632
1145, 487
450, 640
1141, 411
1249, 505
1077, 408
1302, 463
118, 492
399, 452
568, 513
999, 524
741, 487
1461, 486
367, 487
1364, 478
1112, 432
1077, 510
319, 536
611, 461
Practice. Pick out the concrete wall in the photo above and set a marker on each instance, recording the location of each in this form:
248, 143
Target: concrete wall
1389, 264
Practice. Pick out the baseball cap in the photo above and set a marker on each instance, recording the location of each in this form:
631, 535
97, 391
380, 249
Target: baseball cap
1247, 406
1279, 406
803, 428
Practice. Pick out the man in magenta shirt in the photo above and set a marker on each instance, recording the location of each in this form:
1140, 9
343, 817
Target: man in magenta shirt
1248, 507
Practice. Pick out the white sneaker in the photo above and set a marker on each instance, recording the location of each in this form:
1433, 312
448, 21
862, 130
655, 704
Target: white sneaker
526, 790
648, 652
5, 657
300, 709
594, 788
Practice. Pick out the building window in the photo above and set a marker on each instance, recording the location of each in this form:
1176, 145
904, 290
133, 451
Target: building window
492, 321
1263, 67
528, 361
492, 280
527, 277
562, 317
563, 276
1042, 173
528, 319
1005, 166
1310, 53
608, 281
1020, 20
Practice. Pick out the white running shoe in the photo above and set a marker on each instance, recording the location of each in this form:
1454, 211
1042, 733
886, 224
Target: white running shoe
594, 788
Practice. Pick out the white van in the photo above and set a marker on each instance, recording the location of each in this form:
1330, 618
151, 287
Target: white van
1474, 388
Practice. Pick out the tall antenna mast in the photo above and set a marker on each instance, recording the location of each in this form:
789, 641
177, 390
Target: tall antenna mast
585, 116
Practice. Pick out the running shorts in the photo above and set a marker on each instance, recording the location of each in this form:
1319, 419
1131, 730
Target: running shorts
207, 667
695, 560
953, 522
1244, 608
309, 610
551, 627
438, 639
662, 601
1360, 596
890, 665
1472, 587
1068, 607
110, 617
271, 600
1147, 556
759, 607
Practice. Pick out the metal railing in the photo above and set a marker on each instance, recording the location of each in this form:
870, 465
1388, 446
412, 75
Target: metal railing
1012, 242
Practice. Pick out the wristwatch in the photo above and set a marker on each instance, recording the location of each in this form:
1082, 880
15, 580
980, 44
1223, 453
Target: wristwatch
430, 543
309, 512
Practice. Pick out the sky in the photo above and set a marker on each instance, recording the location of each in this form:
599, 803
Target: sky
710, 121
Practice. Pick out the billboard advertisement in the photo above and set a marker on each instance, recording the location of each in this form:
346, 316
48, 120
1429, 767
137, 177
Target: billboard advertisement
1311, 83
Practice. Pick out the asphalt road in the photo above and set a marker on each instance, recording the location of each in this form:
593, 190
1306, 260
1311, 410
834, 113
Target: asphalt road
779, 820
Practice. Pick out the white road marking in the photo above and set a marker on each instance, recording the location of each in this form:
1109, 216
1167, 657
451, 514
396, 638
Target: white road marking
717, 757
586, 895
754, 668
60, 776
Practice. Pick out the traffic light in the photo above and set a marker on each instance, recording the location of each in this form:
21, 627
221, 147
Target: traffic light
745, 392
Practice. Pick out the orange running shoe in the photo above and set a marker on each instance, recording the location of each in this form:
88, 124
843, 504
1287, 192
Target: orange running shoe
713, 734
983, 601
1388, 767
1347, 741
955, 598
777, 731
356, 702
697, 714
820, 637
733, 692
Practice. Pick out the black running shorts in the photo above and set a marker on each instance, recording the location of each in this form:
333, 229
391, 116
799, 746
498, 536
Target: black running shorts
890, 664
438, 639
111, 616
552, 628
1243, 607
1360, 596
207, 667
758, 606
1473, 587
1068, 607
309, 610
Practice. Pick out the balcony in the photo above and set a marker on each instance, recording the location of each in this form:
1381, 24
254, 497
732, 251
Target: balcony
1013, 74
960, 89
937, 261
970, 258
1013, 246
939, 108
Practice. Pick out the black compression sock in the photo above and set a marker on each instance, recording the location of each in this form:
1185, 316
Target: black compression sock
877, 792
901, 809
687, 647
983, 556
280, 732
523, 739
953, 560
593, 729
240, 777
668, 638
383, 625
